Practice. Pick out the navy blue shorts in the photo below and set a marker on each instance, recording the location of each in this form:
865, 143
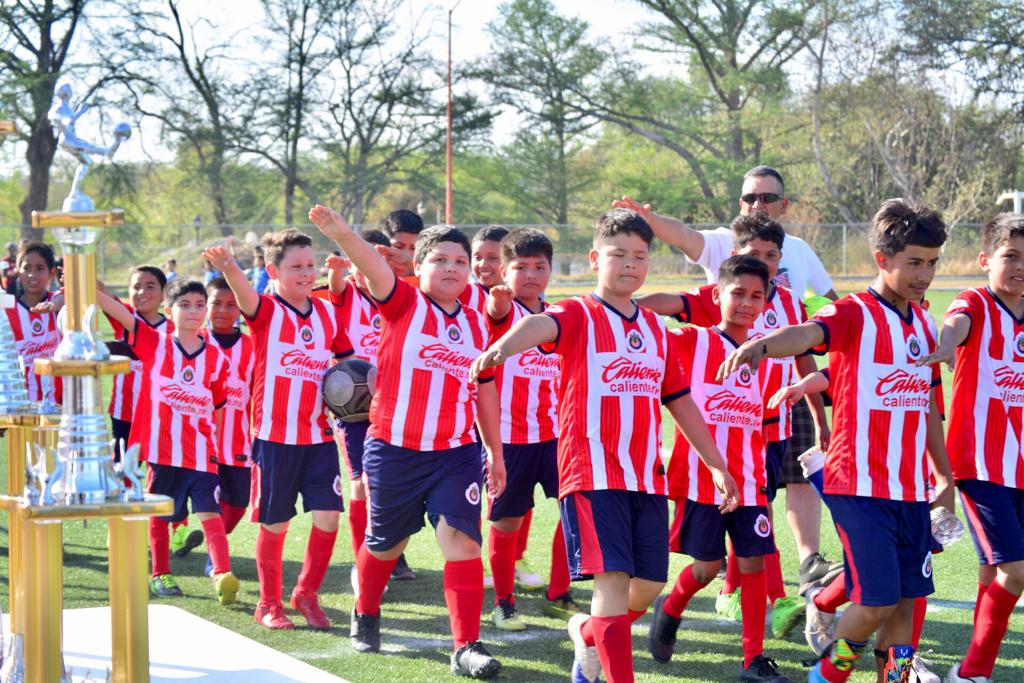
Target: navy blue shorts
616, 531
235, 485
995, 516
183, 485
353, 435
405, 484
283, 471
887, 548
526, 465
775, 451
120, 430
699, 529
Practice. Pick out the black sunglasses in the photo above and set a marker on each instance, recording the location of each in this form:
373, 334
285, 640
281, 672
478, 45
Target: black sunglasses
765, 197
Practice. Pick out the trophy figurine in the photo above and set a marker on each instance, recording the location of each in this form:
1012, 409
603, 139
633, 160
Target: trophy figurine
63, 119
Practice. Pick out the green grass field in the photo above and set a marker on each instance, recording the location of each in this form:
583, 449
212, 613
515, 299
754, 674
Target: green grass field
415, 622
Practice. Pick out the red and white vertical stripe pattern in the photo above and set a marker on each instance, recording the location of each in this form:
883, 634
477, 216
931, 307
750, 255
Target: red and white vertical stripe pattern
361, 319
780, 310
35, 336
881, 399
474, 296
235, 440
424, 399
733, 410
986, 424
126, 387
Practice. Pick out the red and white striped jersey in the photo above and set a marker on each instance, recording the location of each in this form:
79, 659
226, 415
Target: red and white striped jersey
234, 437
361, 319
527, 385
293, 351
126, 386
986, 423
474, 296
35, 336
424, 399
173, 422
734, 412
880, 399
614, 380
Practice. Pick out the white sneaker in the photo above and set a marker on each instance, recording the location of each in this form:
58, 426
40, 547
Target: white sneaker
585, 666
955, 677
818, 624
527, 578
920, 673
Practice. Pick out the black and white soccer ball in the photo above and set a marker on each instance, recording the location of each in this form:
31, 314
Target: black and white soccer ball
347, 388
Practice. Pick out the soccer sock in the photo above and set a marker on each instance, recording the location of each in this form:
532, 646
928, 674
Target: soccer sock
614, 647
373, 577
587, 630
269, 551
896, 658
990, 627
686, 587
160, 546
732, 574
920, 611
832, 597
773, 576
753, 602
558, 581
501, 547
357, 523
231, 515
524, 534
319, 549
464, 596
839, 665
217, 545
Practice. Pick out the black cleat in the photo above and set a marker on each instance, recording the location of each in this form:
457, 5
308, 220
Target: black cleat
473, 660
763, 669
193, 540
365, 633
661, 638
817, 572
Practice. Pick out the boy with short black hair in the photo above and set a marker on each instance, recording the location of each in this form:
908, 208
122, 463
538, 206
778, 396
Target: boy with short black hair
295, 336
884, 419
35, 331
183, 384
617, 370
486, 250
734, 409
403, 228
418, 461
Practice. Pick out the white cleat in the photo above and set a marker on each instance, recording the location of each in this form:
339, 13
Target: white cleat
586, 667
955, 677
920, 673
818, 625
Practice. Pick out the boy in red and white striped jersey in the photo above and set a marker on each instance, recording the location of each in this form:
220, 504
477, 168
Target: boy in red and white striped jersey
983, 333
617, 371
295, 337
486, 250
35, 333
182, 392
884, 417
421, 453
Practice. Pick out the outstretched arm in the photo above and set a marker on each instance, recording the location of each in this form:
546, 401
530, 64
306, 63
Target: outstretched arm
531, 331
380, 279
954, 333
691, 423
668, 230
116, 310
247, 297
789, 341
662, 303
499, 302
337, 267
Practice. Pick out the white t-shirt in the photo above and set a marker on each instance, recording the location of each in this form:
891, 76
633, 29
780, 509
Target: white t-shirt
800, 270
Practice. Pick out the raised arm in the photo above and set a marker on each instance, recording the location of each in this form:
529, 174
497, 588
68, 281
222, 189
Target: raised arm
337, 267
788, 341
115, 309
380, 279
529, 332
247, 297
954, 332
668, 230
691, 423
662, 303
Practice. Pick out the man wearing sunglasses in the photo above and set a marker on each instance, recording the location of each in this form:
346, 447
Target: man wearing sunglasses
800, 270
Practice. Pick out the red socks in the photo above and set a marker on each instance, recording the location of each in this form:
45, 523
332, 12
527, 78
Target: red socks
217, 545
524, 534
990, 626
160, 546
920, 611
833, 596
686, 587
558, 581
587, 630
753, 602
773, 576
373, 577
231, 515
319, 549
464, 596
269, 551
732, 573
502, 554
357, 523
614, 647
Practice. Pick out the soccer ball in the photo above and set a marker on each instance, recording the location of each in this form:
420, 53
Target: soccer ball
347, 388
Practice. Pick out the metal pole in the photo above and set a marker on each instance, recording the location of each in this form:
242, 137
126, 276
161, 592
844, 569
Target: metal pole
846, 270
448, 143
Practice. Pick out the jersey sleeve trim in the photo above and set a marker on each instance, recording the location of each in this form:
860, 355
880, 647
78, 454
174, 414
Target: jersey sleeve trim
823, 348
686, 315
551, 346
256, 313
394, 288
665, 400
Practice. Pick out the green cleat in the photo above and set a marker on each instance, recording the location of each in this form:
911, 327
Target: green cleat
562, 607
165, 586
227, 588
728, 606
786, 614
506, 618
183, 542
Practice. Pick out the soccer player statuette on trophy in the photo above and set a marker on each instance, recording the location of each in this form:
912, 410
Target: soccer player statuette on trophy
83, 482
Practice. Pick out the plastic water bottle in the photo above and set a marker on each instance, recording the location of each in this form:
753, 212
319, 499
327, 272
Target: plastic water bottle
946, 527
